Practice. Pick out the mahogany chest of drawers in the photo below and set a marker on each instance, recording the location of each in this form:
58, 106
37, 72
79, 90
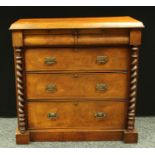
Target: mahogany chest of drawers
76, 78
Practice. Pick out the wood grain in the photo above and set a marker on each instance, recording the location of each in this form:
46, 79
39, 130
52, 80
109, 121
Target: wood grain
69, 23
77, 115
77, 39
79, 85
75, 135
92, 31
17, 38
77, 59
130, 136
135, 37
76, 98
22, 138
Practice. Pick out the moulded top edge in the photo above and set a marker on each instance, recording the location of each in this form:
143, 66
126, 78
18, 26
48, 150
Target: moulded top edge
77, 23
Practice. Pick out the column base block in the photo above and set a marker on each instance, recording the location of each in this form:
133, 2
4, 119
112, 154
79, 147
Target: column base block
22, 138
130, 136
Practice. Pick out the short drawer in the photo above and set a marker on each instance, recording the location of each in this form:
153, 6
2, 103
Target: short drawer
73, 37
99, 58
89, 114
73, 85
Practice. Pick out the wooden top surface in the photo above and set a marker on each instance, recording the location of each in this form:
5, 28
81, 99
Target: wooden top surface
70, 23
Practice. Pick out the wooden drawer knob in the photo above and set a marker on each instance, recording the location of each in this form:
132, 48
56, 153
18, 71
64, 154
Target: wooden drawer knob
75, 75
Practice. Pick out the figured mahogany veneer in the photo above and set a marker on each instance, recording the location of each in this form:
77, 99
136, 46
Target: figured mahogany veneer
78, 37
77, 85
77, 114
76, 78
77, 59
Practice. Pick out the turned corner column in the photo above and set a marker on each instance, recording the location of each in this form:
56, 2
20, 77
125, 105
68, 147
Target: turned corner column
17, 39
130, 134
20, 97
22, 133
133, 88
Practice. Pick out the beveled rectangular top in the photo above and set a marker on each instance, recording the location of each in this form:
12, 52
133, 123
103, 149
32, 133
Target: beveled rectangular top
76, 23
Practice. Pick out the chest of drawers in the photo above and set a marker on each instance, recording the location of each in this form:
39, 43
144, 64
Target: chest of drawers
76, 78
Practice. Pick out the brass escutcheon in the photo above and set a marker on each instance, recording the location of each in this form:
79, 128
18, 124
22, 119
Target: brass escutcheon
101, 87
52, 115
100, 115
101, 59
50, 60
51, 87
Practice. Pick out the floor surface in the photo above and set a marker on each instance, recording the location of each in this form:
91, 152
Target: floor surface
144, 125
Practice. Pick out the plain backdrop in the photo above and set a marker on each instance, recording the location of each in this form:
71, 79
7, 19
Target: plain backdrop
146, 77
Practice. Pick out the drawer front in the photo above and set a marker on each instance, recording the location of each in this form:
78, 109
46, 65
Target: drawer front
78, 37
72, 85
77, 59
43, 59
99, 114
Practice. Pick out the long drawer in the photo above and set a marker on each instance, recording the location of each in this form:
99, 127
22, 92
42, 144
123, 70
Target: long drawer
77, 85
76, 37
99, 114
99, 58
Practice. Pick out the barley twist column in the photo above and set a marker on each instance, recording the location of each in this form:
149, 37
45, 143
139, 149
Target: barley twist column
133, 88
20, 90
